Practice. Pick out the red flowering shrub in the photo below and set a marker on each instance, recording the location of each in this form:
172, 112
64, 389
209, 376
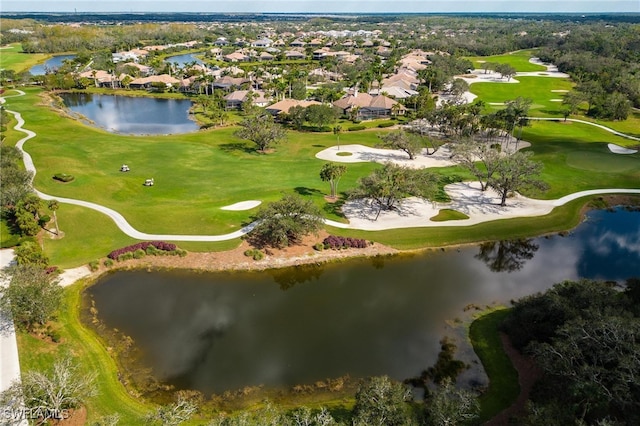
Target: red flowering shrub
337, 243
160, 245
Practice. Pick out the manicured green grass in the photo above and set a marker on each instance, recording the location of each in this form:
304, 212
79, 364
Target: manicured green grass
538, 89
519, 60
15, 59
198, 173
195, 174
448, 214
503, 377
90, 355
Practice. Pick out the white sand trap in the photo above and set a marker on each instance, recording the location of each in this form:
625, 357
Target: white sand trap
497, 103
242, 205
70, 276
560, 91
364, 154
466, 198
617, 149
555, 100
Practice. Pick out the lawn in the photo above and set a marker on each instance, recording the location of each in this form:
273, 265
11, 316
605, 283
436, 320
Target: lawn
503, 377
13, 58
195, 174
518, 60
198, 173
538, 89
89, 354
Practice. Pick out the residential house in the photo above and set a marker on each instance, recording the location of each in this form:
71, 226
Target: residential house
147, 82
144, 70
283, 106
262, 43
228, 83
366, 106
236, 57
294, 54
266, 56
297, 43
101, 78
221, 41
235, 99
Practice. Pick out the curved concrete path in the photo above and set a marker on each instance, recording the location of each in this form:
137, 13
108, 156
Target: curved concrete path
129, 230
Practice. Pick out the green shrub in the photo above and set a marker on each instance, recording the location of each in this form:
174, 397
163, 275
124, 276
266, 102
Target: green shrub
94, 265
44, 220
125, 256
108, 263
319, 246
386, 124
181, 253
63, 177
254, 253
356, 128
54, 335
139, 254
152, 251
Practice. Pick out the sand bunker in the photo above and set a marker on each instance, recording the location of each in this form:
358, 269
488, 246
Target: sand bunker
242, 205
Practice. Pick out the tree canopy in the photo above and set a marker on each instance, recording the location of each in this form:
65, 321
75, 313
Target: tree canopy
284, 222
32, 296
391, 183
585, 335
261, 130
332, 172
410, 143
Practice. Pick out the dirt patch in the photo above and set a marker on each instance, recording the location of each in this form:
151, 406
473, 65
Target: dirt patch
77, 417
299, 254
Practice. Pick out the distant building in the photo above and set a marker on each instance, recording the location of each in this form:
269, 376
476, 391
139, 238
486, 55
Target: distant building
368, 106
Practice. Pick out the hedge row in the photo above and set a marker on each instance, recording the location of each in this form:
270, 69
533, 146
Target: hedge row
337, 243
160, 245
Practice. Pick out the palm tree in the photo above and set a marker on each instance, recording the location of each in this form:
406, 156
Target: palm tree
53, 206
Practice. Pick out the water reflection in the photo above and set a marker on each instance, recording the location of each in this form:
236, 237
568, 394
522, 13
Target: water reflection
507, 256
215, 332
133, 115
288, 277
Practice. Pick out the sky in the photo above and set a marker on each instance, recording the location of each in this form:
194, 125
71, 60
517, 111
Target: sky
319, 6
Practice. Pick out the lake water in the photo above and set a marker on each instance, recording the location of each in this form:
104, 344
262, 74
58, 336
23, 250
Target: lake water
182, 60
133, 115
223, 331
50, 65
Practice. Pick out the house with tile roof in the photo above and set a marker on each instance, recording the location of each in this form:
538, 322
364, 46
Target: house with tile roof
368, 106
235, 99
285, 105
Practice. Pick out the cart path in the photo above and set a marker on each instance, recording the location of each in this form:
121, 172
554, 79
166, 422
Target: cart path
129, 230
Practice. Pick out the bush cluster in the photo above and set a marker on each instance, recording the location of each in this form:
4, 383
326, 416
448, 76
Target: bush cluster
157, 245
337, 243
254, 253
386, 124
63, 177
356, 128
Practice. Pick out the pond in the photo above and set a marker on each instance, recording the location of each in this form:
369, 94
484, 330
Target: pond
133, 115
224, 331
50, 65
182, 60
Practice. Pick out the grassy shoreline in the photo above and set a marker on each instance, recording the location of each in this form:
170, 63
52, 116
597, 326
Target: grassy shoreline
503, 378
